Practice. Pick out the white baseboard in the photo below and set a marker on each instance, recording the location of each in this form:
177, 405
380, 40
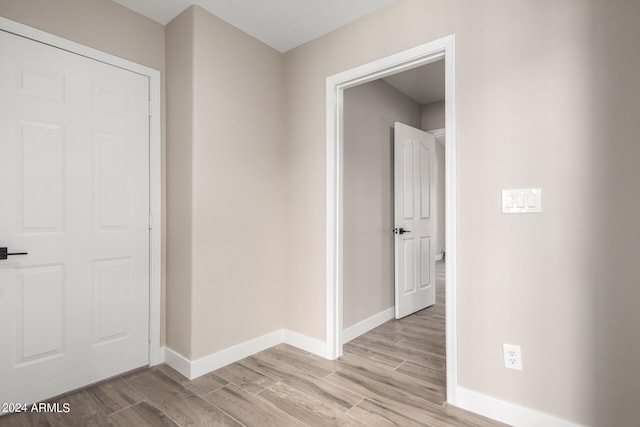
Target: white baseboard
506, 412
195, 368
177, 362
367, 324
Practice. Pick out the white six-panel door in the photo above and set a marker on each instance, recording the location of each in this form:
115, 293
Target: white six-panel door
74, 194
414, 259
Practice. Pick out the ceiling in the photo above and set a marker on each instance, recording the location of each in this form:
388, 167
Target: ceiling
286, 24
281, 24
423, 84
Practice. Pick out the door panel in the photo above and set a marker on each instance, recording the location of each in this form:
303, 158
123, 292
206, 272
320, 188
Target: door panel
408, 266
74, 194
414, 262
41, 328
425, 182
112, 278
111, 177
425, 262
42, 172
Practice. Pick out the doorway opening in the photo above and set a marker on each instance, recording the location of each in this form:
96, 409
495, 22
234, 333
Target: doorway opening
442, 51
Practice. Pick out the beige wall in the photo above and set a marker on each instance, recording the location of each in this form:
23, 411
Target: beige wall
433, 116
546, 96
230, 281
111, 28
369, 113
180, 141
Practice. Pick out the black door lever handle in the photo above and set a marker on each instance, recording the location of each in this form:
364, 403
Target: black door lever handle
4, 253
400, 231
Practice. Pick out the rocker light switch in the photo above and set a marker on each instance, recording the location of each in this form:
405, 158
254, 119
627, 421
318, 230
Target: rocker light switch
510, 201
524, 200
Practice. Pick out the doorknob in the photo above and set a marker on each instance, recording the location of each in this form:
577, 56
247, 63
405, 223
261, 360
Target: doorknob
400, 231
4, 254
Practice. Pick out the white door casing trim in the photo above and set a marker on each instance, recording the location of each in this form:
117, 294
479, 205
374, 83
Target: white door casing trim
335, 86
156, 355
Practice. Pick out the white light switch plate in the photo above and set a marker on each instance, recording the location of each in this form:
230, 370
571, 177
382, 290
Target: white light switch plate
523, 200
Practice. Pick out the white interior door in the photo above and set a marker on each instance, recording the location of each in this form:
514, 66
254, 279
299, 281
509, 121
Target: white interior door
414, 261
74, 194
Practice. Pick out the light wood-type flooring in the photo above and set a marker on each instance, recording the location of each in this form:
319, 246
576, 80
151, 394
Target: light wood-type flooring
392, 375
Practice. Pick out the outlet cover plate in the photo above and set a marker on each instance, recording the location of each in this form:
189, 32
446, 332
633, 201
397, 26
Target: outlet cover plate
512, 356
524, 200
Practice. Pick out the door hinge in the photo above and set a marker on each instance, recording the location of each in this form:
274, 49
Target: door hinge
150, 220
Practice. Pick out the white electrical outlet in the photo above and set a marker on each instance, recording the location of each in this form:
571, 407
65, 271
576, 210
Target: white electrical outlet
512, 356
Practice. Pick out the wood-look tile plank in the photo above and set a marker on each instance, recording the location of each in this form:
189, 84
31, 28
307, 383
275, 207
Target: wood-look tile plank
200, 386
182, 405
371, 338
428, 375
395, 399
435, 325
431, 392
173, 374
375, 414
417, 332
435, 312
431, 359
433, 322
309, 365
436, 353
430, 322
248, 408
373, 356
206, 384
294, 350
134, 373
114, 395
385, 335
428, 345
437, 358
307, 409
245, 378
142, 414
315, 387
23, 419
351, 359
324, 363
412, 355
83, 411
